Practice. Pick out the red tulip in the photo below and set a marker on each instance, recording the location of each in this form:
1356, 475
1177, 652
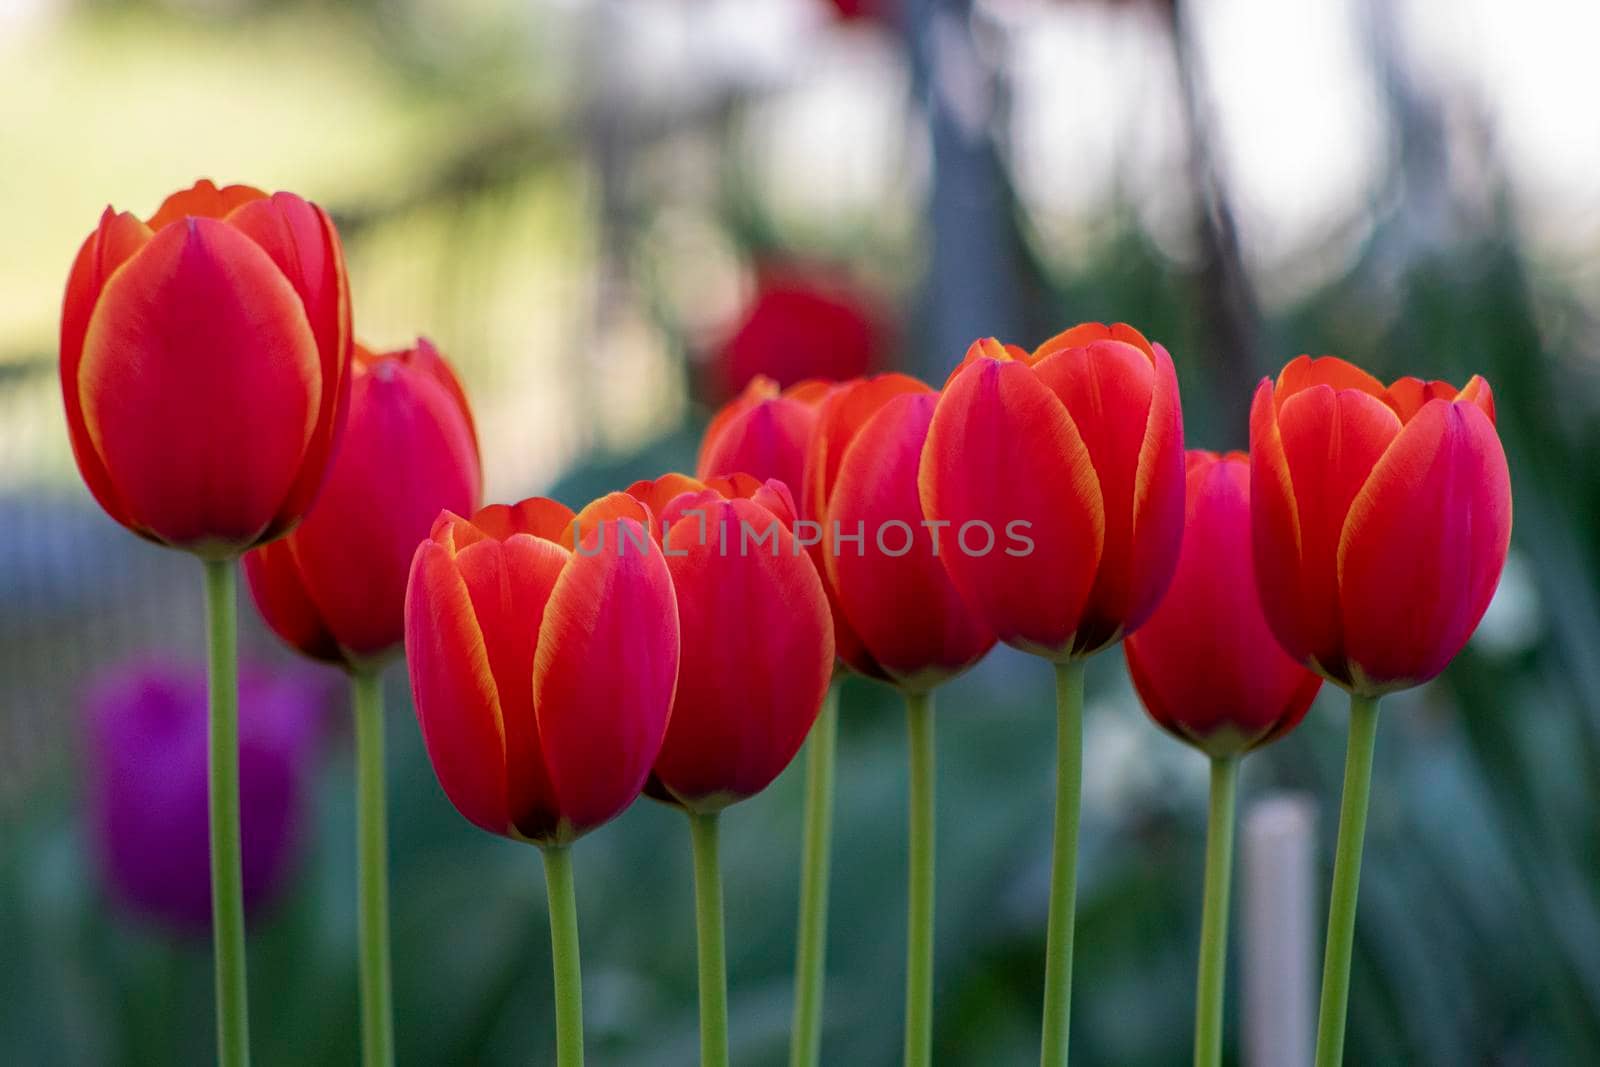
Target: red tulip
801, 324
898, 616
1205, 664
1076, 452
204, 364
763, 433
1381, 519
335, 587
542, 665
756, 632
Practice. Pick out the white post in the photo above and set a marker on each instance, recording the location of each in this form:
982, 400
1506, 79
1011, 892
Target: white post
1279, 930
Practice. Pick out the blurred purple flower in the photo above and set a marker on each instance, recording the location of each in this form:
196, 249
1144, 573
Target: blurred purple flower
145, 765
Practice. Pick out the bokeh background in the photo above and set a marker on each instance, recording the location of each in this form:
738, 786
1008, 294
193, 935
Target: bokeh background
608, 214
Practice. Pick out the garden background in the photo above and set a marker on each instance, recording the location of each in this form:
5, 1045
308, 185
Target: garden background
580, 202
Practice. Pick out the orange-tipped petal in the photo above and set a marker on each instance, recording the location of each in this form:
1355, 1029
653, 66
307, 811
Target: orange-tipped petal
839, 418
1477, 392
757, 642
1407, 395
113, 242
1109, 389
510, 584
454, 691
1085, 334
301, 240
1331, 441
1001, 449
1275, 528
890, 585
604, 675
1423, 546
538, 516
203, 200
1304, 372
200, 384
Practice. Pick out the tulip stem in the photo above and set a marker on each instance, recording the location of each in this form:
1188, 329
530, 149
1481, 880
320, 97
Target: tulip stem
372, 846
1346, 880
1212, 975
1063, 865
810, 968
919, 911
708, 925
564, 955
227, 879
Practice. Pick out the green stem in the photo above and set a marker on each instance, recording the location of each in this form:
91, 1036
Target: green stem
919, 913
564, 955
811, 950
227, 880
1209, 983
1346, 881
372, 846
708, 925
1063, 865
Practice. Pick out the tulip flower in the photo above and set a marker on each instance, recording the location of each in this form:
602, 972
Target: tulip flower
1381, 520
543, 652
1210, 673
204, 364
801, 324
145, 776
898, 617
335, 587
1075, 451
204, 367
757, 655
767, 434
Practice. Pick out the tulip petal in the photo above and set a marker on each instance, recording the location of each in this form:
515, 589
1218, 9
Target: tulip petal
1002, 449
1108, 390
541, 517
407, 451
604, 676
279, 590
510, 584
890, 585
757, 655
454, 690
200, 385
1303, 373
301, 240
839, 418
1158, 498
1423, 547
203, 200
1085, 334
1206, 665
1331, 442
113, 242
767, 439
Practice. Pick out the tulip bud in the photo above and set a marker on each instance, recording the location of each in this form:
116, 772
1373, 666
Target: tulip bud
1381, 519
898, 616
543, 650
756, 633
763, 432
145, 761
1205, 664
204, 365
1078, 450
335, 587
